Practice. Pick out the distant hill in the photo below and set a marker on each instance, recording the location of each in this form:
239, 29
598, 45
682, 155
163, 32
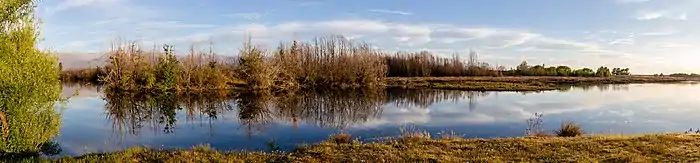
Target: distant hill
86, 60
81, 60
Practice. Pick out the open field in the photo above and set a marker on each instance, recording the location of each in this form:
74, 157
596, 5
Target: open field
420, 148
523, 83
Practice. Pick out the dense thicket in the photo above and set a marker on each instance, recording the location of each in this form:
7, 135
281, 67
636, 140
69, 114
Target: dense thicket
29, 85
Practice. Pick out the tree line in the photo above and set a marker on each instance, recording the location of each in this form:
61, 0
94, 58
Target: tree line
325, 62
523, 69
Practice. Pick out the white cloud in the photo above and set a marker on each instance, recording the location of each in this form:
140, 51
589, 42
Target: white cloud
385, 11
70, 4
625, 41
171, 25
660, 33
249, 16
111, 21
442, 39
662, 14
650, 16
671, 45
672, 10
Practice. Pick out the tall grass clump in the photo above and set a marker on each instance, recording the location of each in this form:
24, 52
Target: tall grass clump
331, 62
129, 68
340, 138
257, 73
203, 71
569, 129
29, 82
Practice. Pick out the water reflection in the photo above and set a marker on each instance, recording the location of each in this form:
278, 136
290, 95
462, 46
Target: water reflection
235, 120
131, 112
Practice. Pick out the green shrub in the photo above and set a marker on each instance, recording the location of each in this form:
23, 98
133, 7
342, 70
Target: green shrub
29, 81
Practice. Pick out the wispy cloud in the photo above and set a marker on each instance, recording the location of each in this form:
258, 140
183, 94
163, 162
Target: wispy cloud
172, 25
385, 11
662, 14
624, 41
632, 1
69, 4
110, 21
660, 33
249, 15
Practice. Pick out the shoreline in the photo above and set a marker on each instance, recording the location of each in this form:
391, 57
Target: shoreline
524, 83
421, 148
504, 83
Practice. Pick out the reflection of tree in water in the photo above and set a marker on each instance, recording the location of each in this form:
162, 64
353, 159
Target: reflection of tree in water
130, 112
600, 87
256, 111
253, 111
336, 109
422, 98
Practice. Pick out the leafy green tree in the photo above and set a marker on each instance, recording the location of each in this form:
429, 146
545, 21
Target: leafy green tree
603, 72
563, 70
621, 71
523, 69
29, 82
552, 71
168, 69
584, 72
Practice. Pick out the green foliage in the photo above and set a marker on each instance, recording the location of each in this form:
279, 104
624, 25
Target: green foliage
29, 85
603, 72
563, 71
253, 68
683, 75
584, 72
621, 71
167, 69
540, 70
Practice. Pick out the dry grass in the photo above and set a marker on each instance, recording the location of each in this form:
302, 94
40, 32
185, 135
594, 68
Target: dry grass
569, 129
341, 138
130, 68
330, 62
646, 148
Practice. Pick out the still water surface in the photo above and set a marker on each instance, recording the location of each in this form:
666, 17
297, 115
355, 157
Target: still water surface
95, 122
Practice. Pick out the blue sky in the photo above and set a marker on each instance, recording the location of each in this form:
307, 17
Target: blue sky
649, 36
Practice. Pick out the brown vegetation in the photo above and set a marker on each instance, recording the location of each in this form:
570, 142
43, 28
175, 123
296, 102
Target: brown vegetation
569, 129
646, 148
327, 62
425, 64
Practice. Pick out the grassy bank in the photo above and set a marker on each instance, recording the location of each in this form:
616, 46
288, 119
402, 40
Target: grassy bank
523, 83
416, 148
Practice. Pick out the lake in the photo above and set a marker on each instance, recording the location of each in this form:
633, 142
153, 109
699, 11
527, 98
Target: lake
97, 122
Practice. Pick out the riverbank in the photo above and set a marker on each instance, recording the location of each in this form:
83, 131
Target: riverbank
505, 83
608, 148
523, 83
